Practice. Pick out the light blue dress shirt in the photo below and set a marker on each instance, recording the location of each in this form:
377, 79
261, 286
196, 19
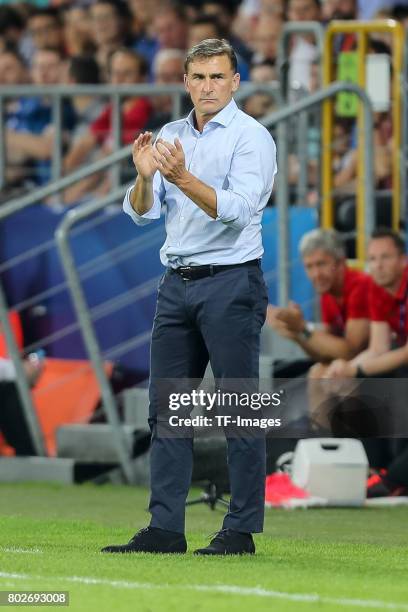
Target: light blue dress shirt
236, 156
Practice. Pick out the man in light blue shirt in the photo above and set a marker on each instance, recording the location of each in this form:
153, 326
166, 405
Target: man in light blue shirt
212, 174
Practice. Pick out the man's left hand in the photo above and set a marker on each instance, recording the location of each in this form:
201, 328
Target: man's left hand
171, 160
340, 368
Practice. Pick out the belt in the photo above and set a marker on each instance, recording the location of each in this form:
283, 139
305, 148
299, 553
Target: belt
196, 272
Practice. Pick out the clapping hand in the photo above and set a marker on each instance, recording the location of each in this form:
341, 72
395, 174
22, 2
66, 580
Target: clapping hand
143, 156
170, 160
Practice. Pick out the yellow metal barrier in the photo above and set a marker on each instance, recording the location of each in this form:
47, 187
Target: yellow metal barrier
362, 30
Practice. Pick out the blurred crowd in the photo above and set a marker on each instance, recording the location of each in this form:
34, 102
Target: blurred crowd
134, 42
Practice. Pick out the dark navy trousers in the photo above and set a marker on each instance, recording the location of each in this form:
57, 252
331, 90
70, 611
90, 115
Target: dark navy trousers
218, 319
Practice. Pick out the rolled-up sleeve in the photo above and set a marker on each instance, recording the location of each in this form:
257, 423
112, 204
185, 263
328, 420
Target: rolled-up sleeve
155, 211
250, 179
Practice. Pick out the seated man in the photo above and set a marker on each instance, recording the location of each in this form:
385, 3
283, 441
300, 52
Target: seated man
388, 295
386, 356
343, 300
344, 311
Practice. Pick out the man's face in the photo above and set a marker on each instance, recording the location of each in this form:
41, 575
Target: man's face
266, 37
105, 24
46, 68
12, 71
211, 82
216, 9
262, 74
143, 10
46, 32
322, 270
303, 10
386, 264
199, 32
345, 9
170, 71
170, 31
124, 70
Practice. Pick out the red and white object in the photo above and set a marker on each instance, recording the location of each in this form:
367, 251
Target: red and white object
332, 468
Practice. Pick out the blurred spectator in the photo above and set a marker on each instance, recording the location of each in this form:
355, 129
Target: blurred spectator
273, 7
84, 70
13, 70
126, 68
142, 14
259, 104
109, 21
339, 9
368, 8
202, 27
142, 28
226, 14
265, 39
28, 135
400, 13
11, 28
383, 150
168, 68
77, 31
344, 157
303, 51
264, 72
304, 10
45, 29
207, 26
170, 26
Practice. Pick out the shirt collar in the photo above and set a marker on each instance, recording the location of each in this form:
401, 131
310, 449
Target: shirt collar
224, 117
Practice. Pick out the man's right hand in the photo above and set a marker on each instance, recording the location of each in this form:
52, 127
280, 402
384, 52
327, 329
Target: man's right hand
143, 158
292, 317
273, 319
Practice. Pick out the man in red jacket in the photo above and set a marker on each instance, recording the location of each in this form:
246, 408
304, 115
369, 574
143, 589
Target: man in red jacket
344, 330
388, 300
343, 303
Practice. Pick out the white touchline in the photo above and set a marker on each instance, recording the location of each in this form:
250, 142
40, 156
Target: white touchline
219, 588
30, 551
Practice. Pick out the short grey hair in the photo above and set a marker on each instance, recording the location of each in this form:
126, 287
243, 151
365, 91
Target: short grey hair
209, 48
164, 55
327, 240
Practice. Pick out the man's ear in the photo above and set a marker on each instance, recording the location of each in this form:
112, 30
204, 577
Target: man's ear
235, 81
186, 84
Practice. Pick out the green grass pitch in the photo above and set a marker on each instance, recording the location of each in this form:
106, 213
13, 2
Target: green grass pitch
317, 559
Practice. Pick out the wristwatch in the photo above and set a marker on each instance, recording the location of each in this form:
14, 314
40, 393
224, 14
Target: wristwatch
360, 373
306, 332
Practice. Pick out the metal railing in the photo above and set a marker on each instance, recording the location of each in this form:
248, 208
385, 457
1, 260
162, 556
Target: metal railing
56, 94
6, 211
280, 119
283, 57
362, 30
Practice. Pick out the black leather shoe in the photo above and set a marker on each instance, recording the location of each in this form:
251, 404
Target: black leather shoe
229, 542
152, 540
